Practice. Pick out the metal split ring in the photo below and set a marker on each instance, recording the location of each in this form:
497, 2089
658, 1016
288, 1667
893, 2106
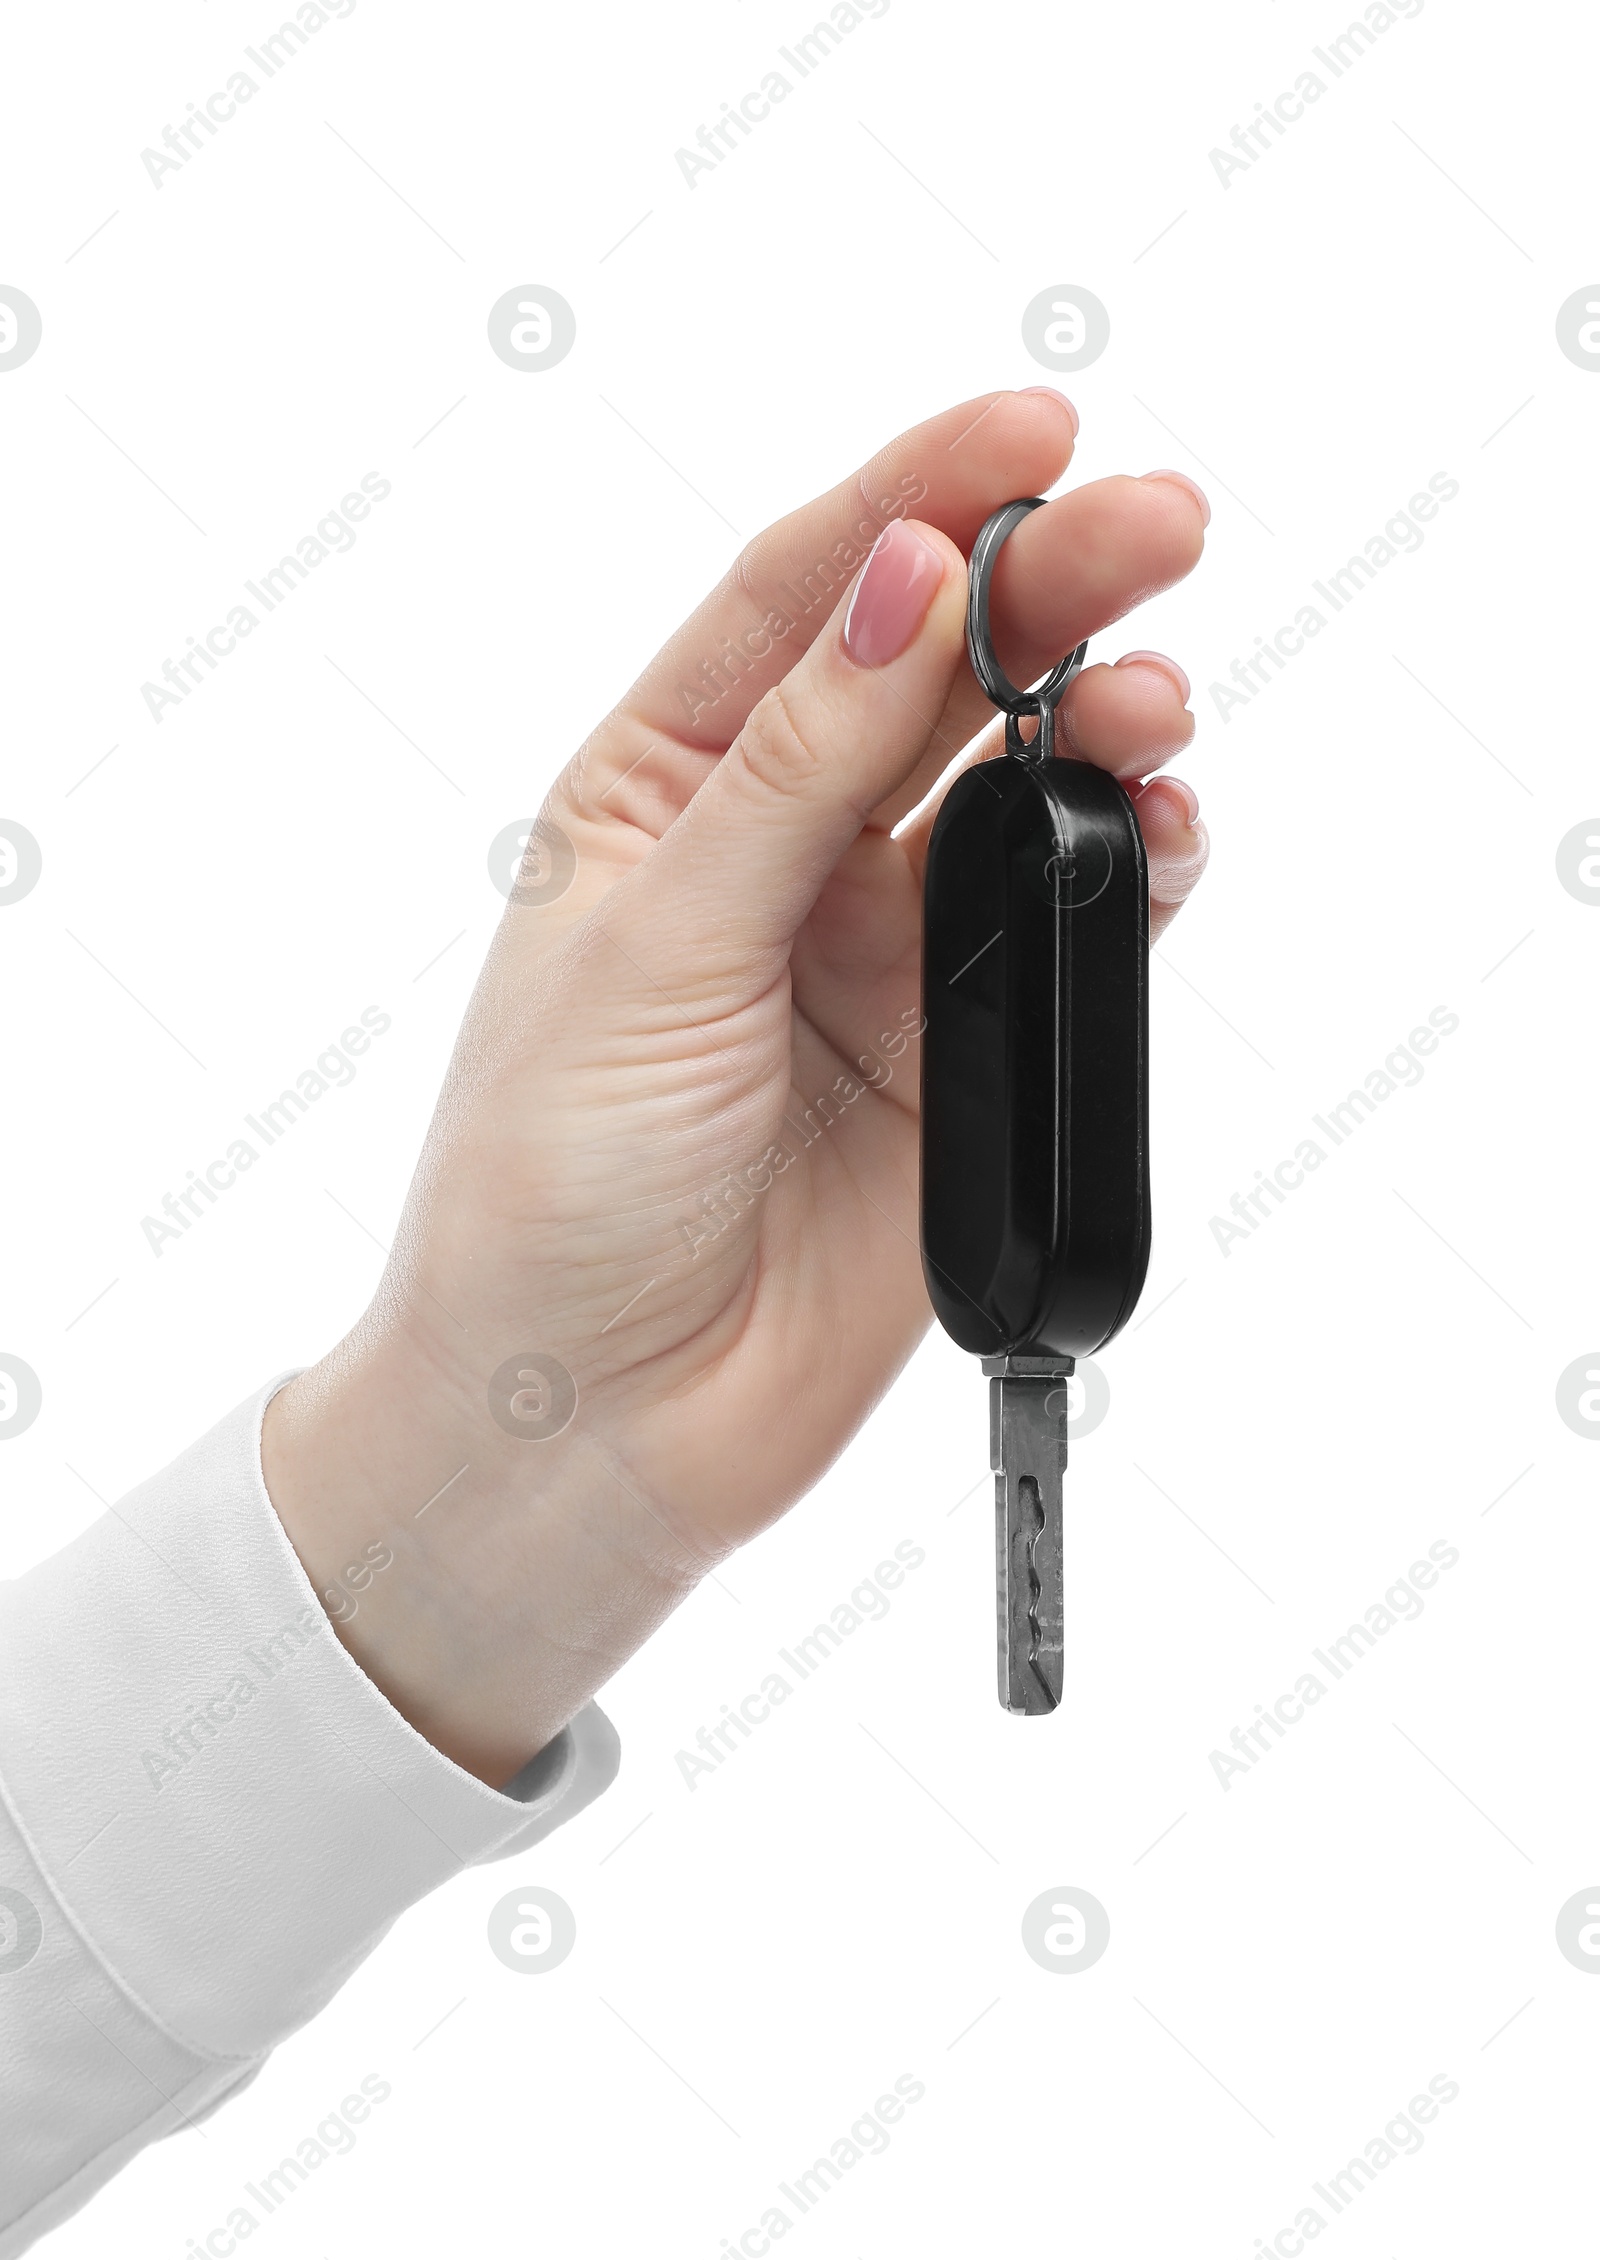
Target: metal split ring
1040, 699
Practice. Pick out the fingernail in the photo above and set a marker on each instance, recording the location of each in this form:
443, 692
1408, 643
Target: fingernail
891, 599
1168, 667
1182, 479
1049, 392
1191, 799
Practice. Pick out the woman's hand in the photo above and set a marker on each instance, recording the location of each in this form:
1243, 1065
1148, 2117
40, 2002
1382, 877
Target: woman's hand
673, 1169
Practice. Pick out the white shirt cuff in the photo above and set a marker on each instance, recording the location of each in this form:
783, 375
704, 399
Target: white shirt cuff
212, 1813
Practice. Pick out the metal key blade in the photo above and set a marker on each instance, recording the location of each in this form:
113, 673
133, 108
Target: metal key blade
1028, 1406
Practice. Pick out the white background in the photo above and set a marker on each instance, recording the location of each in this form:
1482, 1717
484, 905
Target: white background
1373, 1370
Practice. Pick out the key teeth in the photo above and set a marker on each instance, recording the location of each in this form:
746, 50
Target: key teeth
1030, 1433
1026, 1592
1034, 1511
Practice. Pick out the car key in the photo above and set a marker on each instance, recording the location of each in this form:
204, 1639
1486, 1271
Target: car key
1035, 1168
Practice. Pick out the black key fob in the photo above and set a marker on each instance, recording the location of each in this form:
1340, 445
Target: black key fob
1035, 1106
1035, 1082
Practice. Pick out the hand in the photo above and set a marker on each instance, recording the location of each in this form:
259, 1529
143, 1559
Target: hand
676, 1149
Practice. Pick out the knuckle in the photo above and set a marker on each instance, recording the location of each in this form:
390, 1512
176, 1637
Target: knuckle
776, 749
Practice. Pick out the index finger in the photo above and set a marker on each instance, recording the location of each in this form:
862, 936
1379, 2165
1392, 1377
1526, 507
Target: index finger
951, 472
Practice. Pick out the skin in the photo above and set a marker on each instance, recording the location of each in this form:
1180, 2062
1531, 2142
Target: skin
742, 930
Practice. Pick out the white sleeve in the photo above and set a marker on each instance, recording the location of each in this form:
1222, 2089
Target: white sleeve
209, 1816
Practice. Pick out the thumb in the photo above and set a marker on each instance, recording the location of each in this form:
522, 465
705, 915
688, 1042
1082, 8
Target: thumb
718, 901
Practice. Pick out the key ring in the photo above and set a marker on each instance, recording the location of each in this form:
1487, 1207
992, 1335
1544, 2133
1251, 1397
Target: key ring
1040, 699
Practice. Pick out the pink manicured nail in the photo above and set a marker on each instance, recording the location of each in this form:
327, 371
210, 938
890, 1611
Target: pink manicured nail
1049, 392
1191, 799
1168, 667
892, 597
1159, 793
1182, 479
1175, 862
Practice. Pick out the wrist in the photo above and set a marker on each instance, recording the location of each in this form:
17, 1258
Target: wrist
486, 1584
